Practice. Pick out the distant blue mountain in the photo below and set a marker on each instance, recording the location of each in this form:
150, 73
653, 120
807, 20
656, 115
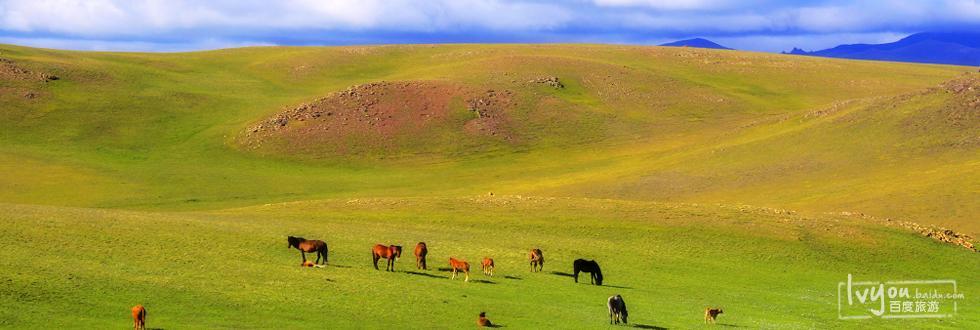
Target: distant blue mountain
697, 43
959, 48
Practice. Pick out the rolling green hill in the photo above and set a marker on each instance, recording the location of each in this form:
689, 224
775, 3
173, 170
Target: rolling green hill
678, 155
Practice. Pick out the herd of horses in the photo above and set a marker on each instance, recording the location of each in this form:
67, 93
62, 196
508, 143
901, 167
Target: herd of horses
615, 304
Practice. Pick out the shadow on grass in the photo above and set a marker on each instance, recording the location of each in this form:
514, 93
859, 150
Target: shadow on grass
729, 325
338, 266
424, 274
483, 281
617, 286
562, 274
444, 269
510, 277
646, 326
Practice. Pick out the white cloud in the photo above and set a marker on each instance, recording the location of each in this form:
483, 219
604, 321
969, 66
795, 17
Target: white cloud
189, 22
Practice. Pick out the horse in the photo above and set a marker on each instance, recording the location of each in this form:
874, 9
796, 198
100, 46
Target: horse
488, 266
588, 266
458, 265
483, 321
309, 246
710, 314
139, 317
617, 309
390, 253
420, 252
537, 259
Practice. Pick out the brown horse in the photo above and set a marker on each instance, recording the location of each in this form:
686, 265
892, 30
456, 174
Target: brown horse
537, 259
309, 246
139, 317
390, 253
458, 265
488, 266
420, 252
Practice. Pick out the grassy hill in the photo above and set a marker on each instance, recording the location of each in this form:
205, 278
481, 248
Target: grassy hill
647, 149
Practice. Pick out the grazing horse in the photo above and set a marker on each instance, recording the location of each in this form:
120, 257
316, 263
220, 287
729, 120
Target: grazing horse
420, 252
537, 259
710, 314
139, 317
488, 266
458, 265
483, 321
390, 253
588, 266
309, 246
617, 309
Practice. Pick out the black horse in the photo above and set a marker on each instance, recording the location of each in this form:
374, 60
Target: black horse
588, 266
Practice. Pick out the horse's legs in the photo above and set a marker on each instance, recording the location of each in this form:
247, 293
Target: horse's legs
375, 257
303, 254
318, 254
454, 274
425, 266
467, 273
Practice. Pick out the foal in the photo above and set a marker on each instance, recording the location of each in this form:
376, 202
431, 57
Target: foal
390, 253
488, 266
458, 265
537, 259
420, 252
139, 317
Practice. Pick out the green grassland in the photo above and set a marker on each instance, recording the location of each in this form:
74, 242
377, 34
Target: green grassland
125, 181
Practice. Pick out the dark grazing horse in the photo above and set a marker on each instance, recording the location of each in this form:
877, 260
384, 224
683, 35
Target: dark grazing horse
617, 309
420, 252
309, 246
537, 259
588, 266
390, 253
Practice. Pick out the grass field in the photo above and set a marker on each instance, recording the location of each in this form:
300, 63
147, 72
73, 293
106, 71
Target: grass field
133, 179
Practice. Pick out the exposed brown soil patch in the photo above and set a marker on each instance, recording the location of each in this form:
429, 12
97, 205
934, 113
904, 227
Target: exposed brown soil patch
381, 116
11, 71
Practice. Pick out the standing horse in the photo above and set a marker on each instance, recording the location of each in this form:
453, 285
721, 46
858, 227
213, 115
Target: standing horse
458, 265
390, 253
588, 266
537, 259
488, 266
139, 317
617, 309
309, 246
420, 252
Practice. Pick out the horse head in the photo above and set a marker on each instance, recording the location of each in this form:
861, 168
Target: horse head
294, 241
396, 251
598, 273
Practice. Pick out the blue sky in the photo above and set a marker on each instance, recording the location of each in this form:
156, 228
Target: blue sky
763, 25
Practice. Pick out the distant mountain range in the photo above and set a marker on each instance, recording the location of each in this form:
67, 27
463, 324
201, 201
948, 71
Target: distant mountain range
697, 43
959, 48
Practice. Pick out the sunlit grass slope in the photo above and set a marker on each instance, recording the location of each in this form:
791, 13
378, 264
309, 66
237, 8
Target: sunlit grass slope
172, 180
164, 131
82, 268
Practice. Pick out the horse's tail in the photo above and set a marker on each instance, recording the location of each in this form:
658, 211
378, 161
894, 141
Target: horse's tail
325, 250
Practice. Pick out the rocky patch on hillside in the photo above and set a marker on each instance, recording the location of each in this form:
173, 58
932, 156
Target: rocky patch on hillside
376, 115
944, 235
11, 71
